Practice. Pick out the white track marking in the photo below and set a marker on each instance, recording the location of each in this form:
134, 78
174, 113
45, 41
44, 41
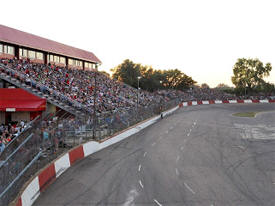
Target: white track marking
240, 147
144, 154
140, 183
139, 167
130, 198
157, 202
153, 144
189, 188
177, 171
178, 158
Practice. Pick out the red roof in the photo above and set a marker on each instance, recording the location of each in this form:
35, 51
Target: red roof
21, 38
20, 100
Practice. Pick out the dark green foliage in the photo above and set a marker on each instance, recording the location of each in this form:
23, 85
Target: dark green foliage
151, 79
249, 74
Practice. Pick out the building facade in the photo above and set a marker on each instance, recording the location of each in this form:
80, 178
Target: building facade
22, 45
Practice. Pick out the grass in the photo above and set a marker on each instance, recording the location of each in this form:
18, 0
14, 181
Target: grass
245, 114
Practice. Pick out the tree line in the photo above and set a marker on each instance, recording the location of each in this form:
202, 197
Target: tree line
151, 79
248, 77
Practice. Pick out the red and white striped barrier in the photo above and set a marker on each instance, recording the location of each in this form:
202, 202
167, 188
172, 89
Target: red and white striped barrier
193, 103
55, 169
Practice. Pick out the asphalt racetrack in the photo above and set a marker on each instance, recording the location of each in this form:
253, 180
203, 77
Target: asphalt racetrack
200, 155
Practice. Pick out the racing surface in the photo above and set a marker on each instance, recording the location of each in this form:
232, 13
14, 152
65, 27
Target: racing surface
200, 155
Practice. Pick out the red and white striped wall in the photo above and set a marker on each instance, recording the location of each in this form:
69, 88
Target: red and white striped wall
192, 103
55, 169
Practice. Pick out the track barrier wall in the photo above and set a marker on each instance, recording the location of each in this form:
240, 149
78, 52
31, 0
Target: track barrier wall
55, 169
57, 133
48, 175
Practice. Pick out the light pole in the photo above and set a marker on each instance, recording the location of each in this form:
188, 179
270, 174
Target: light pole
160, 100
94, 112
139, 77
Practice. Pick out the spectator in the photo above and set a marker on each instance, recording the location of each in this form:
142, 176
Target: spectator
77, 88
8, 132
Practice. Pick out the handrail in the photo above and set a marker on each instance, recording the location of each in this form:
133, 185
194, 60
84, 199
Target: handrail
5, 161
63, 98
28, 125
21, 173
39, 84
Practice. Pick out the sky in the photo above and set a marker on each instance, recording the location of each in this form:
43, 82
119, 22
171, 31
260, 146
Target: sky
202, 38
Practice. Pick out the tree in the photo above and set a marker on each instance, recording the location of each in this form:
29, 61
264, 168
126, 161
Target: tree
222, 85
225, 88
205, 86
266, 88
105, 73
127, 72
249, 73
152, 79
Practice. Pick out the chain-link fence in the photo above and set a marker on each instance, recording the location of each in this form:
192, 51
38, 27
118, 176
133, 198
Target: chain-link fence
16, 141
54, 134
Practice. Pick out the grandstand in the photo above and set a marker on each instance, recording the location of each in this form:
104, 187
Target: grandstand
52, 98
22, 45
62, 74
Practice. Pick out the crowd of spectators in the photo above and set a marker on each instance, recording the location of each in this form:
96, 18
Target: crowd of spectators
201, 94
79, 88
8, 132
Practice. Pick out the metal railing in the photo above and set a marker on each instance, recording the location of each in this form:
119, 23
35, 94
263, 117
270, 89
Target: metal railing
13, 186
13, 144
20, 80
